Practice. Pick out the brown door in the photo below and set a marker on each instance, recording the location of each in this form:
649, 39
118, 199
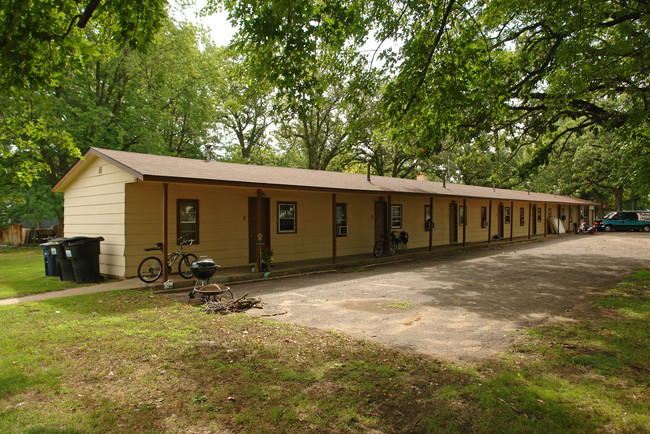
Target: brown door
533, 220
380, 220
252, 226
453, 222
500, 219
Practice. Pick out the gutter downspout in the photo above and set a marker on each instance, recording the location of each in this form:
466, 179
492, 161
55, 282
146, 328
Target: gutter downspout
389, 223
529, 218
165, 224
465, 219
333, 228
490, 224
512, 218
258, 230
431, 223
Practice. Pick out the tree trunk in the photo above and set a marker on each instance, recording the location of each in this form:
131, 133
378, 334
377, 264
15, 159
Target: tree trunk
618, 198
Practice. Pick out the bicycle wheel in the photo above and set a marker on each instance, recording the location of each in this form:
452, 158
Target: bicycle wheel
150, 269
379, 249
184, 266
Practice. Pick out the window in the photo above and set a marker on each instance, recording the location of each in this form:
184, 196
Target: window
507, 215
286, 218
563, 214
539, 214
550, 213
341, 220
522, 218
396, 216
427, 218
484, 220
187, 219
461, 215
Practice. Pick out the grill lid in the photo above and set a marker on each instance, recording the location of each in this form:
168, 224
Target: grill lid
203, 268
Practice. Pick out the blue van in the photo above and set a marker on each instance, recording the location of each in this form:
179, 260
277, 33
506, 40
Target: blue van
624, 221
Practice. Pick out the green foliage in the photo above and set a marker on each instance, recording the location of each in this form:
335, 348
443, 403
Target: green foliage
158, 101
35, 150
40, 40
507, 84
243, 106
287, 39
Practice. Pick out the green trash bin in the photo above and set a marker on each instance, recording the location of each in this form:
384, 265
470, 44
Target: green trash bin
64, 265
49, 257
84, 254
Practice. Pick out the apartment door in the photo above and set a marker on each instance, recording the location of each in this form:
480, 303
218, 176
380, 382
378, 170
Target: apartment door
453, 223
380, 220
265, 216
500, 219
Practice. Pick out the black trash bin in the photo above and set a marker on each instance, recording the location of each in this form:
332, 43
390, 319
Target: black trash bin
84, 254
63, 262
49, 256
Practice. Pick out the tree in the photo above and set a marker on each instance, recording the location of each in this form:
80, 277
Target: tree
464, 70
176, 91
34, 149
320, 125
244, 105
39, 40
156, 101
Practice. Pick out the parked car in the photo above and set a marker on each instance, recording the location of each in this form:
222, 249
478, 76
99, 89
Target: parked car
624, 221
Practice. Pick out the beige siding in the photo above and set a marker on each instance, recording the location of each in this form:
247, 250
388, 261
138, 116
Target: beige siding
474, 232
103, 200
94, 206
361, 225
313, 238
223, 222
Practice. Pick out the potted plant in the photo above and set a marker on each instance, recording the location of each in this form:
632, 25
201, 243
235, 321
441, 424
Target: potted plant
267, 258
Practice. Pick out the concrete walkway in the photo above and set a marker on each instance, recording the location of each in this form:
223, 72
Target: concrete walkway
245, 274
81, 290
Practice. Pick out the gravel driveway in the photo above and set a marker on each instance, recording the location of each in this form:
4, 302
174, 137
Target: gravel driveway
464, 308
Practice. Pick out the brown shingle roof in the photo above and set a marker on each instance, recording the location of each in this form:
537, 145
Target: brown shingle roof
172, 169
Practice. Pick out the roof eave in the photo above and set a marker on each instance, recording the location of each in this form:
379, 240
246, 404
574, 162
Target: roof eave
60, 185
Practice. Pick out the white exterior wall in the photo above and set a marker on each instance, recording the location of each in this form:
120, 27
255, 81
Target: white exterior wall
94, 206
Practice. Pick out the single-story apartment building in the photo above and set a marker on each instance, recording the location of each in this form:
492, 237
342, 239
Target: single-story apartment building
135, 200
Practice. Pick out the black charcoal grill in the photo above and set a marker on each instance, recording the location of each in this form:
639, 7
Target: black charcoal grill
203, 269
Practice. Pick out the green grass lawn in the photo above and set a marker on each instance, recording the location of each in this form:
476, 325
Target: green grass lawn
134, 361
22, 272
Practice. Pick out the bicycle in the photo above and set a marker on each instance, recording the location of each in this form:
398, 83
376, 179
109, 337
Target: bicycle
403, 241
150, 269
382, 245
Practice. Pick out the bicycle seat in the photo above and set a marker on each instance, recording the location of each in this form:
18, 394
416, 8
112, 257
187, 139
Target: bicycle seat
158, 247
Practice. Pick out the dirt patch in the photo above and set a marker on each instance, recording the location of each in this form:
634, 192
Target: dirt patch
463, 308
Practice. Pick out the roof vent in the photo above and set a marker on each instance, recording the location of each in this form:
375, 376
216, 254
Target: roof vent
368, 169
208, 153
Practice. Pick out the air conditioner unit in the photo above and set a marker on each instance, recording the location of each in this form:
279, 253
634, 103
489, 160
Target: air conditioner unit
484, 224
342, 230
